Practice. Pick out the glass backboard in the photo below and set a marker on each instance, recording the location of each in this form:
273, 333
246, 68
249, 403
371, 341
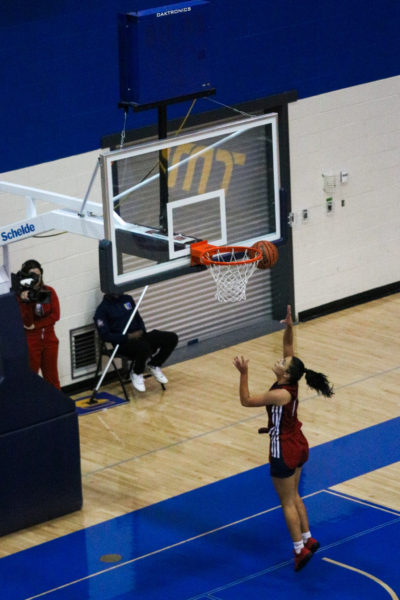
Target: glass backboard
218, 183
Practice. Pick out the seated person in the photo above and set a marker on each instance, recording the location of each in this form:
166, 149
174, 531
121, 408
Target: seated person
147, 350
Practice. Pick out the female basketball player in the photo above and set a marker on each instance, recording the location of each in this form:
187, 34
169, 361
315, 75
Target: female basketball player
288, 446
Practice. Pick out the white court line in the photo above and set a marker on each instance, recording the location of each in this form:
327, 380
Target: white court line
285, 563
365, 502
212, 531
288, 562
105, 425
155, 552
322, 548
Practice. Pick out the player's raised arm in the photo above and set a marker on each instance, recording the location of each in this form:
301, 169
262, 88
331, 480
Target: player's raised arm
288, 349
278, 397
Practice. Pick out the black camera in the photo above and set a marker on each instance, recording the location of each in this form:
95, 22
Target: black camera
22, 281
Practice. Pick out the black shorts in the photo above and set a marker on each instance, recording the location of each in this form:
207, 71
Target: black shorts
278, 468
293, 453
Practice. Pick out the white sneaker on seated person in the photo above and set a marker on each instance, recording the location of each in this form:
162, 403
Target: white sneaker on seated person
138, 381
157, 374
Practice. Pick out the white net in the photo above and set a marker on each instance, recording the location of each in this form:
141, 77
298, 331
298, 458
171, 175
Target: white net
230, 276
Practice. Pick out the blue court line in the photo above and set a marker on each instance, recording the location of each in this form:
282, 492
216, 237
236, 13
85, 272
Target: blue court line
191, 514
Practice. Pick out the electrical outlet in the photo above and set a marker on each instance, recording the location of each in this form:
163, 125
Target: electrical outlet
329, 204
304, 214
343, 202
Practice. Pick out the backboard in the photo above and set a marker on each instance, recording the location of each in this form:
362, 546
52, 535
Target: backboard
218, 183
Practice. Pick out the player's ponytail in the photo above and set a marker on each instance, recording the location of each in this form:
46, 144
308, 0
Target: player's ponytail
317, 381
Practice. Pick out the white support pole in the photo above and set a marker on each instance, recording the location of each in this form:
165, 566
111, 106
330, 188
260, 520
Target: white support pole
96, 389
80, 213
5, 281
66, 202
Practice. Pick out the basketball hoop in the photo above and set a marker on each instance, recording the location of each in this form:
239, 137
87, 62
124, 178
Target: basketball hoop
230, 266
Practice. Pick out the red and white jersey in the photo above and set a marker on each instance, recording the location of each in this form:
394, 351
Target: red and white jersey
282, 420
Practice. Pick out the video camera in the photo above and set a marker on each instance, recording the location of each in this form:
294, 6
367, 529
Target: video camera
22, 281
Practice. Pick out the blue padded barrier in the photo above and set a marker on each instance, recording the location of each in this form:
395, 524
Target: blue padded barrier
39, 436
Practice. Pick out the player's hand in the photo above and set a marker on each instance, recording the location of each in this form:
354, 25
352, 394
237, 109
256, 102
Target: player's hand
288, 319
241, 364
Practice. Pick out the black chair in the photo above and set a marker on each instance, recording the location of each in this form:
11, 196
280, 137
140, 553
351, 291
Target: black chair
106, 350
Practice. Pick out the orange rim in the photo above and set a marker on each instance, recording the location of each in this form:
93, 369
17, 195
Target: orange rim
207, 260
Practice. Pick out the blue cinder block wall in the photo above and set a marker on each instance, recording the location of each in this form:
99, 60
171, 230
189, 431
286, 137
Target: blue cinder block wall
59, 63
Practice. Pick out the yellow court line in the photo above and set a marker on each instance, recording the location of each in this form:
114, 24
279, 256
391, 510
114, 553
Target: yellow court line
389, 590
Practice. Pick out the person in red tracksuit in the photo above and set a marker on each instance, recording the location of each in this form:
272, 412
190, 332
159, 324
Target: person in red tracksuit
288, 446
38, 319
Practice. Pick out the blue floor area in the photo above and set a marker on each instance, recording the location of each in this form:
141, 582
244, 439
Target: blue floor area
228, 540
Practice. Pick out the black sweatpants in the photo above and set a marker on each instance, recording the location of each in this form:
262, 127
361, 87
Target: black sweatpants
155, 345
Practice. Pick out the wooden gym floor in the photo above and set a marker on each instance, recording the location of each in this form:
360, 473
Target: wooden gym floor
163, 444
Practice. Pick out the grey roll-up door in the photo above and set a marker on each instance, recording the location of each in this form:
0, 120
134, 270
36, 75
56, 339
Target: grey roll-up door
188, 306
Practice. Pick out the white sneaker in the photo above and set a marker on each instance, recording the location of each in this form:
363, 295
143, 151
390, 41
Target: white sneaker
157, 374
138, 382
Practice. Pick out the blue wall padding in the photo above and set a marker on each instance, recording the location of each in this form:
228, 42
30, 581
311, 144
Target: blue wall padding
60, 70
13, 347
39, 473
25, 398
39, 436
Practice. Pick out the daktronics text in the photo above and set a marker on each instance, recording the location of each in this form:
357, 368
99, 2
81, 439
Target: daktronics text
174, 11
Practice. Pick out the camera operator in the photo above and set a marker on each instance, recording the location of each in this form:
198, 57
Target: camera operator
40, 309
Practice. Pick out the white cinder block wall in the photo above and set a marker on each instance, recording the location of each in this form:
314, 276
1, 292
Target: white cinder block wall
354, 249
70, 262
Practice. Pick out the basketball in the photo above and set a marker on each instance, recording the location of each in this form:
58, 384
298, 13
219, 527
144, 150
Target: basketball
269, 254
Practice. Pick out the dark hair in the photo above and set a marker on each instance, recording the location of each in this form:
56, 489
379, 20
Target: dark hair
31, 264
317, 381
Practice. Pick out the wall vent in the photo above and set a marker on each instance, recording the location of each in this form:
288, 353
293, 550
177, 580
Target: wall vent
84, 351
